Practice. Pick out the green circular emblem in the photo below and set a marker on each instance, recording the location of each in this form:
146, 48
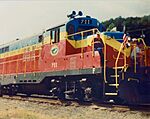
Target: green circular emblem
54, 50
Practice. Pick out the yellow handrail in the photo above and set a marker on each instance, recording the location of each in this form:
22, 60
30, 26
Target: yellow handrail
92, 44
105, 62
103, 40
93, 52
82, 49
116, 63
143, 42
135, 55
134, 48
145, 46
95, 29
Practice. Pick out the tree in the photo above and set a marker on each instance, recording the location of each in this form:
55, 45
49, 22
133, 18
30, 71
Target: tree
135, 26
110, 27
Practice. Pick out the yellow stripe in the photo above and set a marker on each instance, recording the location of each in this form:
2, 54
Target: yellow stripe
21, 51
81, 43
116, 45
30, 48
109, 41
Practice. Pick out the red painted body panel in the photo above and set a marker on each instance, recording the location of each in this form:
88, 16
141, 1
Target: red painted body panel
44, 61
111, 56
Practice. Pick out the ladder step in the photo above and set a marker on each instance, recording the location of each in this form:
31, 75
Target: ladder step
118, 67
113, 84
111, 94
114, 75
69, 92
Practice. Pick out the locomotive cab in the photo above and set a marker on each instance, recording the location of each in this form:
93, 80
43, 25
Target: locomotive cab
80, 24
80, 31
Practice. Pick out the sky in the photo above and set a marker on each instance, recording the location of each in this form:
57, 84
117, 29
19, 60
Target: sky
25, 18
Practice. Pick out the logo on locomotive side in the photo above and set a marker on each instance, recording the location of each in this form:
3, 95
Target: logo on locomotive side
54, 50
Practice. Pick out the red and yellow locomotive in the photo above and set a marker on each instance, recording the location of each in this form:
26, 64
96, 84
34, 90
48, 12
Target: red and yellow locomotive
76, 60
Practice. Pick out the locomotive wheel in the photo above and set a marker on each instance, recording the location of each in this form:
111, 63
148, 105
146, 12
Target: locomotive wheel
80, 95
61, 94
11, 90
10, 93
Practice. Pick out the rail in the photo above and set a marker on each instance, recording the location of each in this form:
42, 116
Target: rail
124, 67
145, 47
41, 99
135, 55
116, 63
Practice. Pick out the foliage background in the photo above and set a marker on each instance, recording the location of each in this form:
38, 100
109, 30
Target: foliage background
135, 26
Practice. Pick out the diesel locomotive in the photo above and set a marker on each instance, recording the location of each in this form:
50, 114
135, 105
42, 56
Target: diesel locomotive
77, 60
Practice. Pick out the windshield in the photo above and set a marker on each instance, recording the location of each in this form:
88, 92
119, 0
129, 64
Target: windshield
86, 33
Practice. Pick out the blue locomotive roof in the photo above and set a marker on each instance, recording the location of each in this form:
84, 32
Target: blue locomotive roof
79, 24
87, 22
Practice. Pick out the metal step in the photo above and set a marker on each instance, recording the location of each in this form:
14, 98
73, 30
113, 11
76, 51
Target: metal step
114, 75
111, 94
69, 92
118, 67
113, 84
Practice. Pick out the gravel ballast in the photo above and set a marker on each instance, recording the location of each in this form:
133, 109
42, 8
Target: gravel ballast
14, 109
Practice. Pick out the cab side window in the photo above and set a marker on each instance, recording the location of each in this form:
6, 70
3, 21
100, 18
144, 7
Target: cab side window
41, 38
55, 35
70, 29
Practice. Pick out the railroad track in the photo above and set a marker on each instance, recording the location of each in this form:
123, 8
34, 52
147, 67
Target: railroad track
34, 99
102, 106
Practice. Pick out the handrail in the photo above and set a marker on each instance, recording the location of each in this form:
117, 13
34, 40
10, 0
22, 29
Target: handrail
82, 49
145, 46
103, 40
83, 32
134, 51
116, 63
135, 55
93, 51
105, 79
116, 57
143, 42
